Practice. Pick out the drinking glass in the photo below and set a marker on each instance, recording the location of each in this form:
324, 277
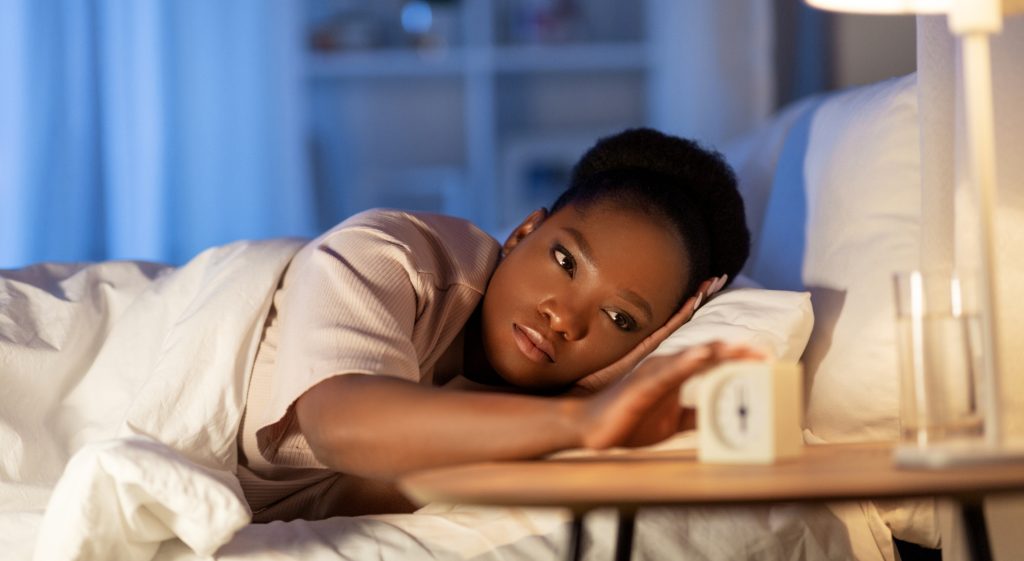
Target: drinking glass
939, 348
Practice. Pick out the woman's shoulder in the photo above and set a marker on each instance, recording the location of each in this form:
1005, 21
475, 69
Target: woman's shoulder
408, 223
431, 243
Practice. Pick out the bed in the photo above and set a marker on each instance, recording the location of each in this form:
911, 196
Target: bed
132, 456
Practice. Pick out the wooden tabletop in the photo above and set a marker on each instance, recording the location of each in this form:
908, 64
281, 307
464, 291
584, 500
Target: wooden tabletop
822, 472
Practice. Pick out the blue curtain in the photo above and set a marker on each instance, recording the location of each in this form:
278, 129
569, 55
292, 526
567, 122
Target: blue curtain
148, 129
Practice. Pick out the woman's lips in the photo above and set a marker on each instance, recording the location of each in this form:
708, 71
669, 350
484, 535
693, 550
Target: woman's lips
532, 344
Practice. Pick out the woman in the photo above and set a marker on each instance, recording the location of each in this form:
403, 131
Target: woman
380, 326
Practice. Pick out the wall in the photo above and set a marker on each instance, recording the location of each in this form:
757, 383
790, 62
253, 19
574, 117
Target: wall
871, 48
817, 50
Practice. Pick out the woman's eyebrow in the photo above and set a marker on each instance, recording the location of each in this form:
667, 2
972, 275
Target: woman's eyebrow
638, 301
586, 254
581, 242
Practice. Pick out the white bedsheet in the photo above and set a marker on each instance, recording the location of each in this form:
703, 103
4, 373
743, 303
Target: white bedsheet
123, 385
456, 533
460, 532
136, 374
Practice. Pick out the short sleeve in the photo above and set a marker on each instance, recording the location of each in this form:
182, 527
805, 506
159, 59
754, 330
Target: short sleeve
349, 306
352, 308
383, 293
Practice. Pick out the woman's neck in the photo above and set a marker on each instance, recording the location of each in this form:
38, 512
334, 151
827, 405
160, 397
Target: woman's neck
475, 365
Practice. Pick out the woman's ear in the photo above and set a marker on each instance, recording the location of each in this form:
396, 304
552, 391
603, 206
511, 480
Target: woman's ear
535, 219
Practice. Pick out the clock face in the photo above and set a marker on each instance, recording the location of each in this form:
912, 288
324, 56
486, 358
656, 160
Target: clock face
749, 412
737, 412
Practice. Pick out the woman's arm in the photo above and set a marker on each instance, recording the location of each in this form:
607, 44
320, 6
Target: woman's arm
382, 427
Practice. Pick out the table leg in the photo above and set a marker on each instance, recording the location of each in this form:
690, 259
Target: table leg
976, 531
624, 540
576, 537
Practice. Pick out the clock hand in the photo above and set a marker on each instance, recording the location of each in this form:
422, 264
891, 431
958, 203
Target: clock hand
743, 410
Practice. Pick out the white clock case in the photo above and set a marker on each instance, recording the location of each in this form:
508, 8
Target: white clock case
776, 390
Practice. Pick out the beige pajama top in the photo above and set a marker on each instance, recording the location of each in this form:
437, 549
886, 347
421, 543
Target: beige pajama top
385, 292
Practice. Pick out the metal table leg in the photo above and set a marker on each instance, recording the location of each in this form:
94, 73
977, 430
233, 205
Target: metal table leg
624, 540
976, 531
576, 537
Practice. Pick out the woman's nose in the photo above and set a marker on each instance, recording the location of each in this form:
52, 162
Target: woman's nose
564, 319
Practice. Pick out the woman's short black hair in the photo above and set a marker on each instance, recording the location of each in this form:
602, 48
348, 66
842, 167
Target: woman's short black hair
676, 179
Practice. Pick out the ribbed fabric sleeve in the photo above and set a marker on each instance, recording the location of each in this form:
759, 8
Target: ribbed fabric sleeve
383, 293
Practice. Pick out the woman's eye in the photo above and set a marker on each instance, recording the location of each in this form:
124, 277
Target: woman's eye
564, 260
621, 320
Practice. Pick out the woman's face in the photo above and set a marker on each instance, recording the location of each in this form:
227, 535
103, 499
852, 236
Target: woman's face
578, 290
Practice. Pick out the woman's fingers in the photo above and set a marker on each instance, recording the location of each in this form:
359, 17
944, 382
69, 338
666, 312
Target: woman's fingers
681, 316
624, 365
646, 401
672, 370
717, 285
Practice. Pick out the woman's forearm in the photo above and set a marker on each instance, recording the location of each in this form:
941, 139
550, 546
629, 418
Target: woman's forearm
382, 427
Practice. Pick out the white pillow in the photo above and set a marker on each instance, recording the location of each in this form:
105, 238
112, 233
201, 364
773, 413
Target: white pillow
776, 321
863, 211
846, 186
755, 157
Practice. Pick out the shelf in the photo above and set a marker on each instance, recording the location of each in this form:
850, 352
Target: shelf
400, 63
571, 58
459, 128
389, 63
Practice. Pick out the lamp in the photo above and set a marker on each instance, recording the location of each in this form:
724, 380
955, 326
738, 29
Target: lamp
972, 22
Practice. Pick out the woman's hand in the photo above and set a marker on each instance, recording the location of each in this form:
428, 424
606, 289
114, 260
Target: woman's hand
607, 375
643, 407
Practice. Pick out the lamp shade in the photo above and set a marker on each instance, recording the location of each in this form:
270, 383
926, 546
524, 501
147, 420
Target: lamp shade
884, 6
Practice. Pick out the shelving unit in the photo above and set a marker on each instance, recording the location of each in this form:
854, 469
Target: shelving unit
483, 126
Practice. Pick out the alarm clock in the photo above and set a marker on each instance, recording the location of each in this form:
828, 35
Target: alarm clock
750, 412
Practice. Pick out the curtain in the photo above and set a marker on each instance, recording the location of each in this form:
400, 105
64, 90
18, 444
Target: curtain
152, 129
148, 129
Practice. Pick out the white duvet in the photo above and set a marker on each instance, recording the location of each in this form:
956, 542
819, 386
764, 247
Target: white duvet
121, 390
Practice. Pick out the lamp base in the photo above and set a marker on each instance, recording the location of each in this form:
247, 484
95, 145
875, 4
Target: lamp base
956, 453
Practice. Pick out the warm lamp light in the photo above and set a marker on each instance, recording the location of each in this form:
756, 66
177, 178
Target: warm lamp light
884, 6
971, 21
919, 7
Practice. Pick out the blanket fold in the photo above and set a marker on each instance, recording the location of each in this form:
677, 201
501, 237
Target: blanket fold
125, 353
120, 499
